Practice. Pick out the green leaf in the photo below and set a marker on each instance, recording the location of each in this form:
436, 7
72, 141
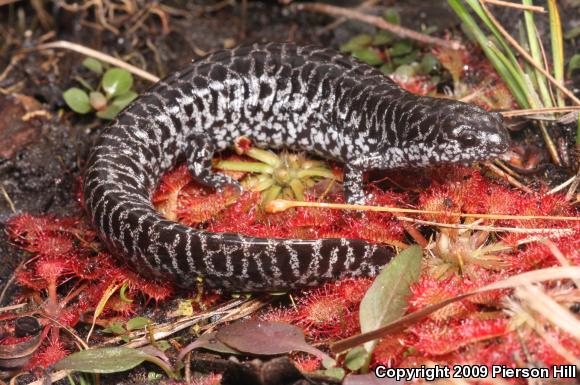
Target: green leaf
98, 100
115, 328
387, 68
391, 15
77, 100
407, 59
405, 72
137, 323
109, 360
122, 294
338, 373
110, 112
429, 63
357, 42
94, 65
163, 345
383, 37
401, 48
386, 299
368, 55
103, 360
574, 64
117, 81
356, 358
123, 100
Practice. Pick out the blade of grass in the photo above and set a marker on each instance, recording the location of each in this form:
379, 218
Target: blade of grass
477, 8
527, 56
534, 46
557, 46
513, 78
504, 65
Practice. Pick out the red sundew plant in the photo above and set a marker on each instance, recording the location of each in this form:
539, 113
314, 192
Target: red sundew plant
69, 272
67, 276
328, 312
435, 338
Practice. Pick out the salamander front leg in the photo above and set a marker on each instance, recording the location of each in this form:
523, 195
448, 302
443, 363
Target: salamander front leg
199, 164
353, 185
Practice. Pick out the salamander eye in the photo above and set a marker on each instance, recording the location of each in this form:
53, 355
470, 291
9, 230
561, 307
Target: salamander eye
468, 139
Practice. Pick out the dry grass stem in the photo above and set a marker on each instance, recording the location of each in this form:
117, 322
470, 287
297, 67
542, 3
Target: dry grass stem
566, 231
538, 111
378, 22
100, 56
536, 299
340, 21
279, 205
533, 8
559, 256
510, 179
562, 186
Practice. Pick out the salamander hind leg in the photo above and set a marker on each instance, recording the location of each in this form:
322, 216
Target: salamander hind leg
199, 155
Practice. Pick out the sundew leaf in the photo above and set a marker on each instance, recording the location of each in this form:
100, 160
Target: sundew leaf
387, 298
266, 338
77, 100
117, 81
94, 65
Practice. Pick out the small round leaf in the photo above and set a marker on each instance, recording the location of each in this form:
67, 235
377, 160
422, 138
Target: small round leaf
94, 65
123, 100
369, 56
357, 42
137, 323
98, 101
77, 100
117, 81
109, 113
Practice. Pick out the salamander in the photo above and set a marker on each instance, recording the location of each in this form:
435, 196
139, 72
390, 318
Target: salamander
281, 95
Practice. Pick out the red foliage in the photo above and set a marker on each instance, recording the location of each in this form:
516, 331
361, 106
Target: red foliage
328, 312
52, 351
68, 256
436, 338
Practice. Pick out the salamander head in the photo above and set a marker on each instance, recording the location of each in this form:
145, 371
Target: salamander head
456, 132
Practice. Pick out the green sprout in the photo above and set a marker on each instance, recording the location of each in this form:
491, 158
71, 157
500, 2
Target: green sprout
284, 175
390, 53
107, 99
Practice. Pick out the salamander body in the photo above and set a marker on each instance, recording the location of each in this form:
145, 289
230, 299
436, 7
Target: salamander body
280, 95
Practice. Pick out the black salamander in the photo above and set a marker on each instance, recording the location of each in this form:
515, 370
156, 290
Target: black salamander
280, 95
